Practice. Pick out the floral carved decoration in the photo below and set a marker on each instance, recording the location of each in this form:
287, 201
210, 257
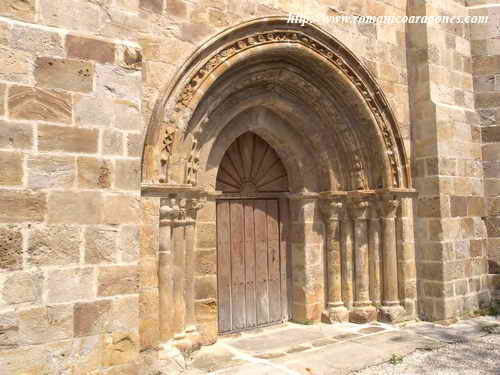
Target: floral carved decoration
374, 99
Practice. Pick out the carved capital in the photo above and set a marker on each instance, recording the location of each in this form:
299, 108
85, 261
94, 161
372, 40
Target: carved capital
195, 204
173, 209
359, 208
332, 209
388, 207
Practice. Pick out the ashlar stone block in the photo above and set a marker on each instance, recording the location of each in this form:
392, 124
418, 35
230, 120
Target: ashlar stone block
22, 206
27, 103
18, 9
54, 245
11, 248
45, 324
47, 171
70, 285
11, 168
100, 245
64, 74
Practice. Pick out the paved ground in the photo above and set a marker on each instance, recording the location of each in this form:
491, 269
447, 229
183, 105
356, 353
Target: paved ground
469, 347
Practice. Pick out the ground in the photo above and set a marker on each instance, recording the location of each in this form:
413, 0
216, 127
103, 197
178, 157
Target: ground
468, 347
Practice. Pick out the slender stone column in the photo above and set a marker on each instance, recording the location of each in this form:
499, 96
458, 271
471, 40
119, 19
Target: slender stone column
391, 309
168, 212
333, 211
179, 258
193, 206
363, 310
375, 257
346, 247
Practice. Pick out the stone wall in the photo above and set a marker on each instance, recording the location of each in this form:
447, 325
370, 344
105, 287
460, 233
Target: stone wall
79, 80
451, 256
485, 41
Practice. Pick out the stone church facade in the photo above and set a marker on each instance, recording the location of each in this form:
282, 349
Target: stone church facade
175, 170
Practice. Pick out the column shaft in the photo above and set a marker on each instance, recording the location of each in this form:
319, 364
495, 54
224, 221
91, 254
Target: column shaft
374, 260
166, 282
390, 262
347, 262
179, 246
189, 277
362, 280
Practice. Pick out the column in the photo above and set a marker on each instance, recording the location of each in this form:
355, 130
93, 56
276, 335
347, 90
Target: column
179, 264
332, 210
168, 213
375, 257
363, 310
391, 309
193, 206
346, 247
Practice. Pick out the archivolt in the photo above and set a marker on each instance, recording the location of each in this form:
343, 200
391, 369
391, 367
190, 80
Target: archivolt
319, 70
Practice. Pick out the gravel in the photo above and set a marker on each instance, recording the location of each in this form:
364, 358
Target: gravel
475, 357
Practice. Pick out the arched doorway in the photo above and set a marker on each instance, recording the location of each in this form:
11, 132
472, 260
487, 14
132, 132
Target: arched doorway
252, 225
312, 102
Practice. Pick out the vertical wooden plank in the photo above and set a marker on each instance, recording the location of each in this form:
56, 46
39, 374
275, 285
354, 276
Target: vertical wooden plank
237, 265
223, 267
273, 253
261, 266
284, 268
250, 300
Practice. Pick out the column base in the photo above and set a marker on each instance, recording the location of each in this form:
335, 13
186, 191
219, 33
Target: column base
363, 314
338, 314
392, 314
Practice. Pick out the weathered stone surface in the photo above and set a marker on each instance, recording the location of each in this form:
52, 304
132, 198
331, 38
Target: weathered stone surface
93, 111
135, 144
115, 280
9, 330
15, 135
100, 245
75, 208
86, 354
22, 287
128, 174
148, 272
54, 245
150, 318
21, 206
17, 66
83, 16
103, 316
94, 173
45, 324
47, 171
118, 82
206, 287
11, 248
152, 5
90, 49
11, 167
206, 262
90, 318
121, 209
112, 142
65, 74
206, 235
127, 115
128, 243
120, 348
18, 9
37, 41
27, 103
67, 139
70, 285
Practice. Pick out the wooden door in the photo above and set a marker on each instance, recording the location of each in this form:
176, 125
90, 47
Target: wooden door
251, 263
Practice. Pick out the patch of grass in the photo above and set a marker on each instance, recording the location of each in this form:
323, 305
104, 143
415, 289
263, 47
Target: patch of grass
492, 310
396, 359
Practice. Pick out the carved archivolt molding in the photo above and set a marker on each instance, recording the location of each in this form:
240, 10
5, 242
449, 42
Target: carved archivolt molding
188, 90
